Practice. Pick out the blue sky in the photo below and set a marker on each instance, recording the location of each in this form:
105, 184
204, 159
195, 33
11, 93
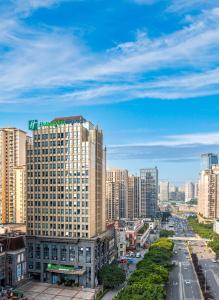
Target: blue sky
146, 71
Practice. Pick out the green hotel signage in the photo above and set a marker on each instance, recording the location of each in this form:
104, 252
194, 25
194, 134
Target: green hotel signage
35, 124
60, 267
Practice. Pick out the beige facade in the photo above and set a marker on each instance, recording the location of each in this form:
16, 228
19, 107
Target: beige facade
12, 155
189, 191
133, 197
208, 193
117, 194
66, 180
164, 191
20, 193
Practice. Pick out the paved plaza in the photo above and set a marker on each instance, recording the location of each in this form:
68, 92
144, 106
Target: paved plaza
46, 291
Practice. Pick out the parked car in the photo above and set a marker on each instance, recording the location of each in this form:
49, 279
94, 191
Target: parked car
138, 255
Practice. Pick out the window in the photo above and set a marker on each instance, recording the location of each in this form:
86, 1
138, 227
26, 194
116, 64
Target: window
88, 255
46, 252
71, 253
38, 251
54, 253
63, 253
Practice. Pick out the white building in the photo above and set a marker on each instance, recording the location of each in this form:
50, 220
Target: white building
164, 191
189, 191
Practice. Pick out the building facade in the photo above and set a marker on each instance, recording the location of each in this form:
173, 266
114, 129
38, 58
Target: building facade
207, 160
13, 270
20, 193
208, 194
164, 191
117, 194
66, 225
12, 156
189, 191
148, 192
133, 197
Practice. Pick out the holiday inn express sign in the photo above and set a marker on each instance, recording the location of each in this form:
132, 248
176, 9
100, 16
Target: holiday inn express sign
35, 124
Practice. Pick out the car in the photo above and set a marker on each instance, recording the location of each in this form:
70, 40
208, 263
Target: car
138, 255
187, 282
187, 257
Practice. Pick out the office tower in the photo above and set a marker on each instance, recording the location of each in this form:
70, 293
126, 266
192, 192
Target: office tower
133, 197
189, 191
208, 195
207, 160
148, 192
12, 156
67, 237
117, 193
164, 191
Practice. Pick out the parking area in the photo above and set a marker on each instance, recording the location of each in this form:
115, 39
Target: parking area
46, 291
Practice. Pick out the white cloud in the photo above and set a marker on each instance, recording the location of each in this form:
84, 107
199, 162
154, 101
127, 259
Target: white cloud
208, 138
42, 64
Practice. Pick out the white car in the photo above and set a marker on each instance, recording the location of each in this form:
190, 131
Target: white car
187, 282
138, 255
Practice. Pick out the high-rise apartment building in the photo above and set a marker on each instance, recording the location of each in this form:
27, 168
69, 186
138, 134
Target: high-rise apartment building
66, 225
117, 193
148, 192
164, 191
208, 193
20, 193
207, 160
12, 160
133, 197
189, 191
196, 190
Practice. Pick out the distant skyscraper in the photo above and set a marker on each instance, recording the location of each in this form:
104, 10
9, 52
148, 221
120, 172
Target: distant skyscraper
196, 190
172, 188
208, 197
189, 191
133, 197
149, 192
117, 193
207, 160
164, 191
12, 165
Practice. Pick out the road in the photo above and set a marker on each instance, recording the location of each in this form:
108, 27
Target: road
183, 283
206, 259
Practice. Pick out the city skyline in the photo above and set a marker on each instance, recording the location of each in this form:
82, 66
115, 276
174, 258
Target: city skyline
150, 83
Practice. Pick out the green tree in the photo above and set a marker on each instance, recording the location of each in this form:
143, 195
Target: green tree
112, 275
166, 233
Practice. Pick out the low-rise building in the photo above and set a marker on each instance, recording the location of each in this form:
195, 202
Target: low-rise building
13, 269
63, 259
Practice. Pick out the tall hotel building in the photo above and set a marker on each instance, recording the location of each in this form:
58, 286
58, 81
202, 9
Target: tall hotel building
67, 237
12, 175
149, 192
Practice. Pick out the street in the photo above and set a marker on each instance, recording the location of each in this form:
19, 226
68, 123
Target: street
183, 283
210, 267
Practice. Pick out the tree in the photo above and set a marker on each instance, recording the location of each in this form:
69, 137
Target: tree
112, 275
166, 233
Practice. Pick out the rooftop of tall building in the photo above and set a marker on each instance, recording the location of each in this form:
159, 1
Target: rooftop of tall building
80, 119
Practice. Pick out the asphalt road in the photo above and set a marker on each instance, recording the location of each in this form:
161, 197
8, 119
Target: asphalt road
210, 268
183, 283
